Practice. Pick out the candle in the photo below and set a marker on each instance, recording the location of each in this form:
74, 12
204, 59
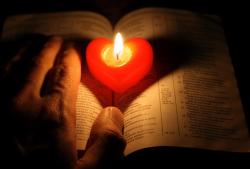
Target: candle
119, 65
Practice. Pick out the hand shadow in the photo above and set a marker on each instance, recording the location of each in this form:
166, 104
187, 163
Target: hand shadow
170, 53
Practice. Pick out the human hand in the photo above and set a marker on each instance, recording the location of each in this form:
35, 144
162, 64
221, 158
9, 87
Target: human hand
106, 143
38, 96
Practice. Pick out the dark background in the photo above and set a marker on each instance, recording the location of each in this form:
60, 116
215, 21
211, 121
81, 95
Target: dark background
235, 20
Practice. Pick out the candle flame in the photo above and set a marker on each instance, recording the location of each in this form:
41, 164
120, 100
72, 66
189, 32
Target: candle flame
118, 47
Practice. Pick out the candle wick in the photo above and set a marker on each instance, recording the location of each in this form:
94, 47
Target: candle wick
117, 56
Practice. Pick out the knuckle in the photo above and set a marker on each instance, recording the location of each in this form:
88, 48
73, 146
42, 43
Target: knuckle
61, 70
56, 112
58, 78
51, 114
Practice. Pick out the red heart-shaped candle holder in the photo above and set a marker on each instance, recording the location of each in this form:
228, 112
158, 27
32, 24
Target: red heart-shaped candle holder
119, 74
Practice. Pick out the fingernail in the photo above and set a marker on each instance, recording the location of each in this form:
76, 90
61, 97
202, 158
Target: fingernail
108, 128
115, 116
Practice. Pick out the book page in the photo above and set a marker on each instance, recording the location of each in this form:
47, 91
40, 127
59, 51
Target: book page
75, 25
144, 22
92, 98
192, 99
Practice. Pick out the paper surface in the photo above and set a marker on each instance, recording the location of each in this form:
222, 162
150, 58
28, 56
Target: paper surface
195, 100
190, 98
75, 25
92, 98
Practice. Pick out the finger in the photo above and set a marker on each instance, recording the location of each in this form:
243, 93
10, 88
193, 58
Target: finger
106, 142
15, 59
60, 98
65, 75
13, 51
8, 81
41, 65
61, 92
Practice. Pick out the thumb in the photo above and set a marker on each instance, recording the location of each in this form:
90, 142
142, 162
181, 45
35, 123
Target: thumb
106, 143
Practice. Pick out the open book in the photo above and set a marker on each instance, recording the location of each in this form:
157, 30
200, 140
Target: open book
189, 99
